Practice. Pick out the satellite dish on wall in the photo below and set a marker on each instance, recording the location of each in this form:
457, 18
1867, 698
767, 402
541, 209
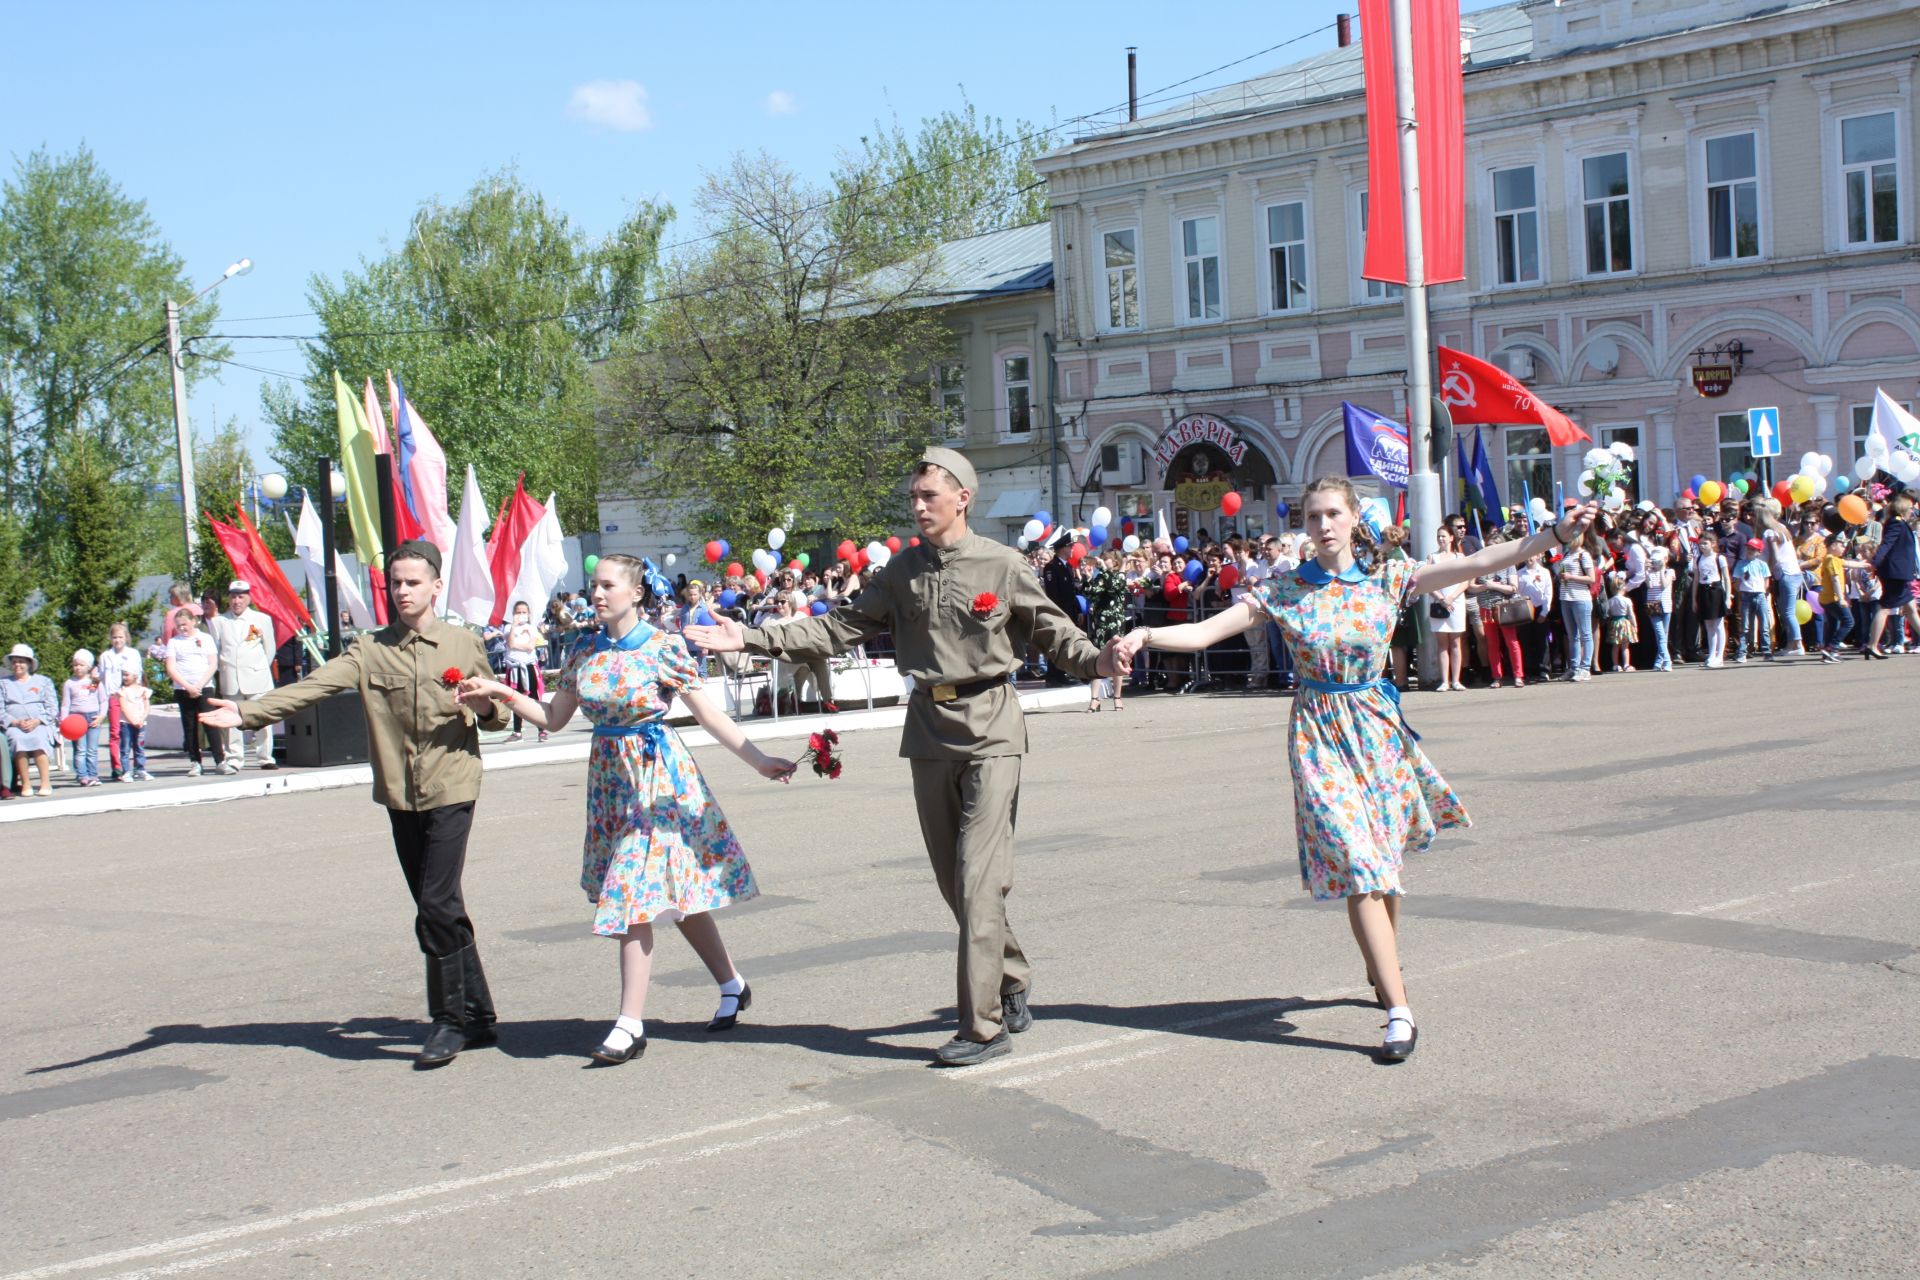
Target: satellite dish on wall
1603, 357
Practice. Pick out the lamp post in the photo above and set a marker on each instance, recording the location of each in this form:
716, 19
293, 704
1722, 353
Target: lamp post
183, 438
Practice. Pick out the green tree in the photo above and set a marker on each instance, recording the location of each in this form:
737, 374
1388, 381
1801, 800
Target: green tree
92, 571
83, 276
783, 379
963, 174
490, 314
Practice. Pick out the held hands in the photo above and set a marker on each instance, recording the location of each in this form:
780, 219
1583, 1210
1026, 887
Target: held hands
724, 636
221, 714
477, 692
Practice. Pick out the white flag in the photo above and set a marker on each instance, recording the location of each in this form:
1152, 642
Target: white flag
543, 562
1160, 533
307, 543
469, 590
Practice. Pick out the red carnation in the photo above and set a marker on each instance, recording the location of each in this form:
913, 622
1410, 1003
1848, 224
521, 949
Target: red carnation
984, 604
452, 677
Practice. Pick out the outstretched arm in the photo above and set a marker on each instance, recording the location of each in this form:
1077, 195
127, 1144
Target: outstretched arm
1504, 555
550, 715
728, 734
1187, 637
869, 614
335, 676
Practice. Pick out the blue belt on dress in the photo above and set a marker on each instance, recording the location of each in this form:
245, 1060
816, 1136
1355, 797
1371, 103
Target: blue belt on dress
653, 731
1381, 683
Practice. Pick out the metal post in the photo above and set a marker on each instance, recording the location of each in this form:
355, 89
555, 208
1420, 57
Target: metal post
183, 438
1053, 438
329, 560
1423, 484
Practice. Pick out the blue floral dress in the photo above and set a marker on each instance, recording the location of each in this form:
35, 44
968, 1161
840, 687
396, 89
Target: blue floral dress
657, 847
1364, 794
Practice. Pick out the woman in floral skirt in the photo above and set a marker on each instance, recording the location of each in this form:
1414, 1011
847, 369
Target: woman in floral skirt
1364, 793
658, 848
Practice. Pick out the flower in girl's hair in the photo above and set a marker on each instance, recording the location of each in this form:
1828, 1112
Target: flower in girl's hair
452, 677
984, 604
820, 751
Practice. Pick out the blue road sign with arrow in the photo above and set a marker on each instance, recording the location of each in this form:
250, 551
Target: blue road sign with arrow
1763, 432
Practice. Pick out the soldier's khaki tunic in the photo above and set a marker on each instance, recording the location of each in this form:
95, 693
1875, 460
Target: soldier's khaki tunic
965, 750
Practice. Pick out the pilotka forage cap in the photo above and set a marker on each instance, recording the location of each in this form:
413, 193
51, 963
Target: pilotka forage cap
955, 462
423, 549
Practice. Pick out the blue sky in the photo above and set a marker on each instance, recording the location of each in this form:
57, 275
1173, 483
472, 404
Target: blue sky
304, 136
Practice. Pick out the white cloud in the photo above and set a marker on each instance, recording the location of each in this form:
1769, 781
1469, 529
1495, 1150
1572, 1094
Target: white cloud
782, 103
614, 104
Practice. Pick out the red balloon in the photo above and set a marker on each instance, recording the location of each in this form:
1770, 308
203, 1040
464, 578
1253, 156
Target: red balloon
1077, 553
714, 553
1229, 503
913, 542
795, 565
1782, 493
1126, 524
893, 544
1229, 574
760, 576
74, 727
734, 570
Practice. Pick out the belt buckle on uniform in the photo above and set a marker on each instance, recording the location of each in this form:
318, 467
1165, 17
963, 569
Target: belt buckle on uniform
945, 693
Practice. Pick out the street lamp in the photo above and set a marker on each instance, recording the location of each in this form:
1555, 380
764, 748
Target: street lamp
182, 437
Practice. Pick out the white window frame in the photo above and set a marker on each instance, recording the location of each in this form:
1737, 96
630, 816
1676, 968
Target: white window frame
1895, 95
1102, 313
1271, 304
1495, 213
944, 397
1366, 293
1577, 187
1182, 301
1859, 424
1002, 410
1762, 239
1635, 434
1846, 170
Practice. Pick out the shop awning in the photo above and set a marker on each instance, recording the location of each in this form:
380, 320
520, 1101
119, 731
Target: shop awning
1015, 504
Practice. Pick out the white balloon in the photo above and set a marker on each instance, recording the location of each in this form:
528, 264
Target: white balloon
776, 538
1809, 463
1130, 543
671, 559
1021, 542
880, 555
764, 560
1102, 517
1033, 530
1876, 445
1864, 467
1910, 472
1826, 464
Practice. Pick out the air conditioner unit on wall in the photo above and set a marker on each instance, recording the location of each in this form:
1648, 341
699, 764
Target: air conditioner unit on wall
1123, 463
1517, 361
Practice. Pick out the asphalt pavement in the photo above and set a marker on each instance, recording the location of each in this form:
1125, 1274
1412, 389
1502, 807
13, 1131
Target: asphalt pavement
1666, 989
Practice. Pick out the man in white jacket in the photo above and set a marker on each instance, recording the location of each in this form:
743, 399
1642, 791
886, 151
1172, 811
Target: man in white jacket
244, 637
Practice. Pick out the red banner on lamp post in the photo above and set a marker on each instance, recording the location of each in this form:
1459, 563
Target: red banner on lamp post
1439, 100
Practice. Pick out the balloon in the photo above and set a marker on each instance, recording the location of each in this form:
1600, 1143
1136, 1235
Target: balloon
729, 598
1809, 463
589, 563
760, 576
1130, 543
73, 727
1876, 445
796, 564
1032, 530
845, 549
1230, 503
776, 538
1280, 508
806, 559
1021, 542
1710, 491
764, 561
1194, 571
1802, 612
818, 607
1076, 553
1841, 484
1741, 486
913, 542
1864, 467
1180, 543
881, 556
1854, 509
726, 548
1082, 602
1800, 488
714, 553
701, 616
735, 571
1044, 517
1695, 483
1097, 535
1101, 516
1229, 575
672, 559
893, 543
1782, 492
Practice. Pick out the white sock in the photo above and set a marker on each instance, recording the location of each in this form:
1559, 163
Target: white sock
625, 1031
1402, 1015
733, 986
730, 991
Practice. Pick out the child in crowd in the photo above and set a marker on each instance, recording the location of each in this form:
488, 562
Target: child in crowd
1836, 609
1660, 580
1618, 612
119, 655
1752, 579
135, 701
1710, 580
82, 696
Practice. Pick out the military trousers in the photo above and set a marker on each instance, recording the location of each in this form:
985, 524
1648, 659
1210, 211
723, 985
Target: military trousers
432, 848
967, 810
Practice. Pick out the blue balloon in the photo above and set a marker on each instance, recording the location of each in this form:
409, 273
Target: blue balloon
1180, 543
702, 617
1097, 535
1082, 602
1696, 482
1195, 571
1280, 508
726, 548
818, 607
1841, 484
1044, 517
729, 598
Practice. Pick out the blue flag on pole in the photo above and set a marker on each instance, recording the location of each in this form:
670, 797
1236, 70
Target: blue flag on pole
1376, 445
1483, 476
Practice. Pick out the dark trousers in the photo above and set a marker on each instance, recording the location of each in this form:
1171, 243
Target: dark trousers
191, 709
432, 846
1643, 627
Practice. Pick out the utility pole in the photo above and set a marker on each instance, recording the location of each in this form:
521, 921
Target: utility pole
1423, 483
1053, 435
183, 438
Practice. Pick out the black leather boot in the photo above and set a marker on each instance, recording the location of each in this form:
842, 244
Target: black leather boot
480, 1015
446, 1005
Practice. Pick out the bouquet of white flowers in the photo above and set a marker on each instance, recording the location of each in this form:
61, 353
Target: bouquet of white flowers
1607, 475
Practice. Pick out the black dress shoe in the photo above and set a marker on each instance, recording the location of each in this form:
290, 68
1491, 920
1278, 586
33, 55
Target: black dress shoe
614, 1057
1013, 1010
443, 1045
1400, 1050
961, 1052
741, 1003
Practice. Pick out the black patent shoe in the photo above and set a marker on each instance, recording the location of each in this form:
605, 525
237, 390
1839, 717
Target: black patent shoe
961, 1052
1399, 1050
1014, 1014
614, 1057
443, 1045
741, 1003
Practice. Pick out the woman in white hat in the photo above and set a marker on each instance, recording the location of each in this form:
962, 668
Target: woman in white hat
30, 710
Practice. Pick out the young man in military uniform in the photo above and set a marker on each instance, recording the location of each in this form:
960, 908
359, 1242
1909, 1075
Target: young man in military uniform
961, 609
425, 747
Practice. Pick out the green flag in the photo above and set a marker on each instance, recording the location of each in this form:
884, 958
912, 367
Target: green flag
357, 463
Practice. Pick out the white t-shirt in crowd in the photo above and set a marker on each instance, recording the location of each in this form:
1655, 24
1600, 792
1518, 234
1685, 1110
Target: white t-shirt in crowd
1780, 552
193, 657
1536, 585
1706, 569
113, 662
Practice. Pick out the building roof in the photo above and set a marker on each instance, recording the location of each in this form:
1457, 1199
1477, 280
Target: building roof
996, 264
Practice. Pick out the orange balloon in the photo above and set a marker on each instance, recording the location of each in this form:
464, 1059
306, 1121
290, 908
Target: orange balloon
1853, 508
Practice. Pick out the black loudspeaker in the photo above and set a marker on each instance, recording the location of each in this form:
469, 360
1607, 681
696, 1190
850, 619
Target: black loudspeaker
1440, 443
332, 731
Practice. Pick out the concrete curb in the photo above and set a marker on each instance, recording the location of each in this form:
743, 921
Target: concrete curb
256, 785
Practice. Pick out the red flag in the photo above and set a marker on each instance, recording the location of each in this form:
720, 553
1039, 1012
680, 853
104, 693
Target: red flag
406, 526
378, 581
279, 601
246, 567
503, 552
1439, 103
1477, 392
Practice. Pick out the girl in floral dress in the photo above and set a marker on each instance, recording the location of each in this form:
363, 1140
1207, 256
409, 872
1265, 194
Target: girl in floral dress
1364, 793
658, 848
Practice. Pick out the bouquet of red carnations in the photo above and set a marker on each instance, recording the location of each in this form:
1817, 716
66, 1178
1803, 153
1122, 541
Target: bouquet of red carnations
820, 750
